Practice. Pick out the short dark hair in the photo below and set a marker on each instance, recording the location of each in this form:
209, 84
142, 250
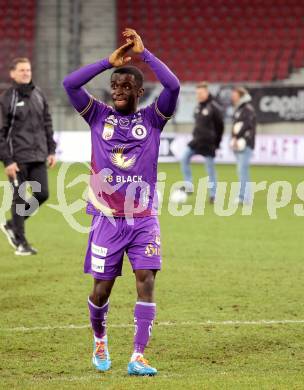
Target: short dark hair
138, 75
18, 60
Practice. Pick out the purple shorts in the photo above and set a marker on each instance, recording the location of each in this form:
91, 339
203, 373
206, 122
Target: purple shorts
109, 241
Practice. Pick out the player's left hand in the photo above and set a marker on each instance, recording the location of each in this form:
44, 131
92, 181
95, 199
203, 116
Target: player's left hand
132, 36
118, 57
51, 160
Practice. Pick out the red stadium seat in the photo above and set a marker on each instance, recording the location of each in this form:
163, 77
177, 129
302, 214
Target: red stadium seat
224, 40
17, 23
298, 60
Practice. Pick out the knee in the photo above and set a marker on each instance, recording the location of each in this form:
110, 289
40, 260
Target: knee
145, 286
101, 294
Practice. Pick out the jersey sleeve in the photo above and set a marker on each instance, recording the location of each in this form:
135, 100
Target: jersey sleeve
87, 106
163, 108
94, 110
155, 117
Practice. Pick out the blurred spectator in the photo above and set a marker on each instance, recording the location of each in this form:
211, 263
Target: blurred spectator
207, 136
243, 138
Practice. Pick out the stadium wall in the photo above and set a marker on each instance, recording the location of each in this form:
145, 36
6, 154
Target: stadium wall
269, 150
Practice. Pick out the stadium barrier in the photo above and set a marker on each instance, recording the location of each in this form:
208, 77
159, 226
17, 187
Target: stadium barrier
273, 104
278, 104
269, 150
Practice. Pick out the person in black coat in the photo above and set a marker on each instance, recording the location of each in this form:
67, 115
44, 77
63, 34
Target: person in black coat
207, 136
26, 144
243, 139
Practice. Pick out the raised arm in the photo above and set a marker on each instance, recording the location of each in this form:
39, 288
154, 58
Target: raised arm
167, 99
74, 82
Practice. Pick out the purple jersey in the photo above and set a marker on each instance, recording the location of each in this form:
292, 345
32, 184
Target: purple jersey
124, 159
124, 147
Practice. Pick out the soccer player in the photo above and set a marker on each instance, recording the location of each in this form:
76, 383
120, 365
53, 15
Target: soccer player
125, 144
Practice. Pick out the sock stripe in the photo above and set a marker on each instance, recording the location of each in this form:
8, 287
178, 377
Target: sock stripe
145, 303
98, 307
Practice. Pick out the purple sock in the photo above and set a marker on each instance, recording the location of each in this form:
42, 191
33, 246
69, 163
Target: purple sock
144, 315
98, 317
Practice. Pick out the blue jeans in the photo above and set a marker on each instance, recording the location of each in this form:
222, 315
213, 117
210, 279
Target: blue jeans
243, 163
209, 165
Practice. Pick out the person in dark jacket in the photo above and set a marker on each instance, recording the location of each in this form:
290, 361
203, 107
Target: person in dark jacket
207, 136
243, 139
26, 144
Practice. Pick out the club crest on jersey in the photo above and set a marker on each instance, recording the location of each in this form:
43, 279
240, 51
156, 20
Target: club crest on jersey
111, 120
108, 131
152, 250
124, 122
139, 132
118, 158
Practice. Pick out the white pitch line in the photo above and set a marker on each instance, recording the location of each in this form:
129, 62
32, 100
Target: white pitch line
203, 323
91, 377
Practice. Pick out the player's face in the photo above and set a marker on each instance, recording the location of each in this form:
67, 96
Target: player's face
22, 74
125, 92
202, 94
235, 97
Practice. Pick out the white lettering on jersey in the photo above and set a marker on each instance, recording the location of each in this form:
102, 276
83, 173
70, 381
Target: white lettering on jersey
111, 120
99, 250
97, 265
128, 179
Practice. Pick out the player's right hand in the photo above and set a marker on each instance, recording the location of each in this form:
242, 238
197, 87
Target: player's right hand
11, 171
117, 58
132, 36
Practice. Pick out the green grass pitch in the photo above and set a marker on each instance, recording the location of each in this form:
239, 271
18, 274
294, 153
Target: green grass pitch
238, 268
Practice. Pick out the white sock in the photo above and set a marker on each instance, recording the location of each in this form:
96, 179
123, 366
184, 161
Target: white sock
98, 340
135, 355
